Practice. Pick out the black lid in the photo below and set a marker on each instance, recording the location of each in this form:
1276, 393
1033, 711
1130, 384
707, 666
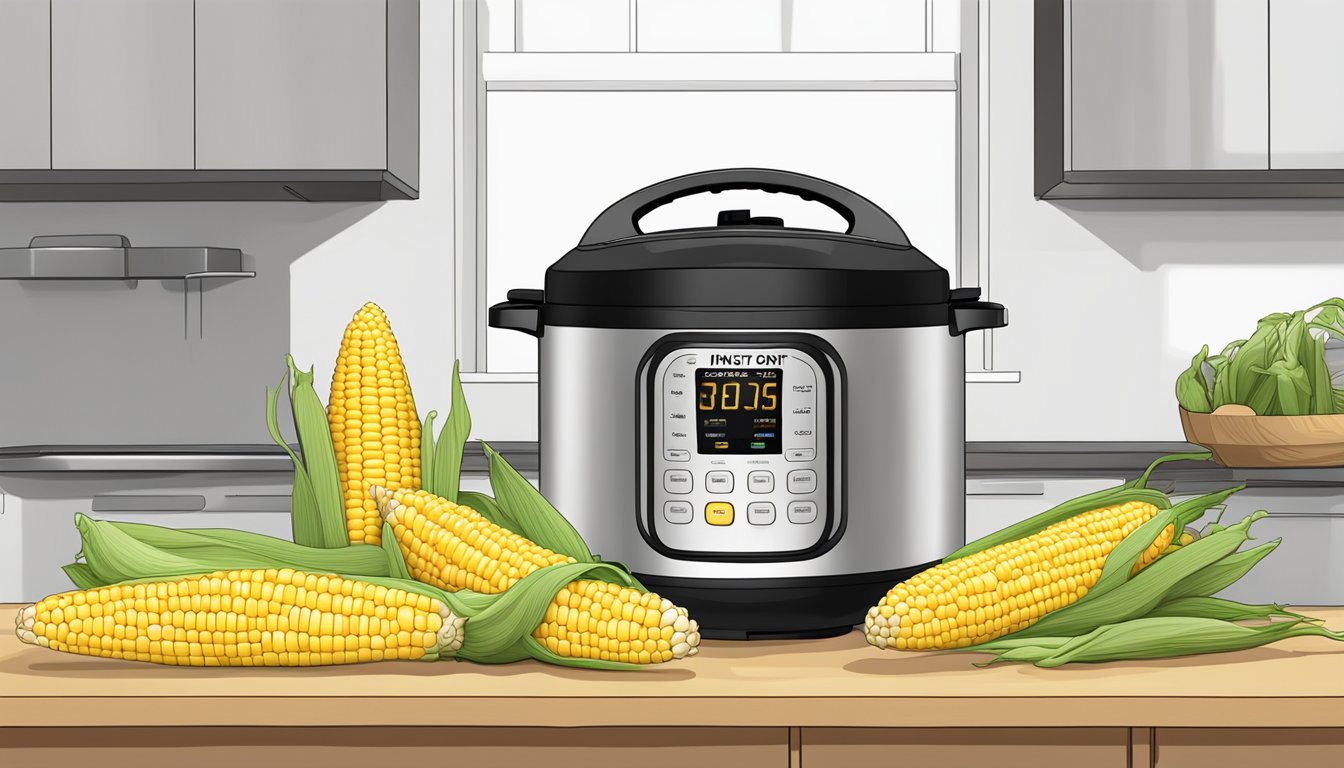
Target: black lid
745, 262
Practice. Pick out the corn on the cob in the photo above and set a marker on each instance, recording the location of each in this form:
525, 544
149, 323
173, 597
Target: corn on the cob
1008, 587
275, 617
374, 427
455, 547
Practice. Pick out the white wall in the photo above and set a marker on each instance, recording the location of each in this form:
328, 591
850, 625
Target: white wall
1108, 300
400, 258
97, 363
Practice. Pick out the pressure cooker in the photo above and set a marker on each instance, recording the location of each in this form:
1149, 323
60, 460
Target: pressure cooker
765, 423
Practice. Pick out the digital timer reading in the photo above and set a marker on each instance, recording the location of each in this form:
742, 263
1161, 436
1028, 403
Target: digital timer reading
738, 410
728, 396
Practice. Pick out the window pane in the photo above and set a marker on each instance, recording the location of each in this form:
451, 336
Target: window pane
556, 160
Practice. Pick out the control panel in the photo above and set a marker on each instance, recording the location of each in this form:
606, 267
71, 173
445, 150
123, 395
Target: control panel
739, 449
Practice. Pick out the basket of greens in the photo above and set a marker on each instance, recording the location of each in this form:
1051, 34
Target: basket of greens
1274, 399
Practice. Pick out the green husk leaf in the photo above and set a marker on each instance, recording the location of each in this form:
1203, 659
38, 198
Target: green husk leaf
1192, 390
1167, 636
451, 443
1217, 576
490, 509
304, 519
428, 479
82, 576
1217, 608
1136, 596
499, 627
116, 551
319, 456
115, 556
536, 518
396, 562
226, 548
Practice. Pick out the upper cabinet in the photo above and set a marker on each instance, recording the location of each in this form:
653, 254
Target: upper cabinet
1188, 98
25, 84
1168, 84
209, 100
121, 92
1306, 80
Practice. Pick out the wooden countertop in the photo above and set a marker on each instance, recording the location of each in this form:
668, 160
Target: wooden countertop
836, 682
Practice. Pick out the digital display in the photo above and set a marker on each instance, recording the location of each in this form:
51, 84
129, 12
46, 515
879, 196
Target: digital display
738, 410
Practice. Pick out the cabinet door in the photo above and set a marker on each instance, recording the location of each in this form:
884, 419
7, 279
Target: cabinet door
1306, 78
1168, 85
291, 84
25, 84
998, 747
1248, 747
121, 90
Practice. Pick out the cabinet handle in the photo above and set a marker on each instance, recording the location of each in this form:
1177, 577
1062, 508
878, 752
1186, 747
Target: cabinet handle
1005, 488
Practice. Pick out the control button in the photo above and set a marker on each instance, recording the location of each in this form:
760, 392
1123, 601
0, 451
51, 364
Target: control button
802, 481
800, 454
719, 513
802, 512
676, 455
761, 482
677, 481
760, 513
678, 512
719, 482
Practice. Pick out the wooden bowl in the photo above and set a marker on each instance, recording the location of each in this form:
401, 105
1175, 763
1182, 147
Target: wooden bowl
1238, 440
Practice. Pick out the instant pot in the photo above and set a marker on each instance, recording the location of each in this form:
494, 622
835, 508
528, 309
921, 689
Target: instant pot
765, 423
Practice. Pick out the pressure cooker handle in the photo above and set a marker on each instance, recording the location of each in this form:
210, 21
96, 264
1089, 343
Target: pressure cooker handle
967, 313
522, 312
864, 218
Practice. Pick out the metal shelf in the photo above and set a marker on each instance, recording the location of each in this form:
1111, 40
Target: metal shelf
112, 257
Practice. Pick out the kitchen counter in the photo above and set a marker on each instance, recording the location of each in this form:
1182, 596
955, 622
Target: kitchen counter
777, 703
833, 682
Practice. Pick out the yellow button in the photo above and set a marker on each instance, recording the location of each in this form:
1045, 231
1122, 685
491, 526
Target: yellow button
719, 513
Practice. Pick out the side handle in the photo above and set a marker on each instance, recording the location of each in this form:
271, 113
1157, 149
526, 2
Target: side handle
967, 316
522, 312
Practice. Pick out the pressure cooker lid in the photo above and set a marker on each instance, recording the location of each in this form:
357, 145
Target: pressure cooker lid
745, 261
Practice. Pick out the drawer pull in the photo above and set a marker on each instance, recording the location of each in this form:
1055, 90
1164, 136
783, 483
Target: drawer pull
148, 503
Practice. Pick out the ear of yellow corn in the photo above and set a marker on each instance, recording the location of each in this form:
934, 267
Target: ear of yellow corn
273, 617
454, 547
1007, 587
375, 431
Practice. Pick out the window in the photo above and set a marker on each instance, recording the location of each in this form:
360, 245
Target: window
551, 132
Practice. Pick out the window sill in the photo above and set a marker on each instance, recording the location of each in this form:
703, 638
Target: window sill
719, 71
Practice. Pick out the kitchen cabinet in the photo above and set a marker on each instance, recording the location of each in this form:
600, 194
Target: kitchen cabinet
25, 84
1000, 747
121, 84
1306, 71
1168, 85
356, 747
299, 84
1188, 99
1245, 747
209, 100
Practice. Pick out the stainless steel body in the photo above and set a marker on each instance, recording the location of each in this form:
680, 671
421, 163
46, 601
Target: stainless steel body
904, 445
